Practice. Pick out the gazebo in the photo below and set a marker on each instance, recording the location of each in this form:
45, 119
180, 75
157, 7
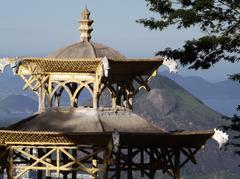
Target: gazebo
102, 138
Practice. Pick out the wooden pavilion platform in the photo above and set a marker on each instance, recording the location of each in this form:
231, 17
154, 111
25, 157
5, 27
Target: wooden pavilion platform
100, 155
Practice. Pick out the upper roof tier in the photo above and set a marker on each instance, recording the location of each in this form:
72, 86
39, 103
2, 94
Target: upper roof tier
129, 67
86, 48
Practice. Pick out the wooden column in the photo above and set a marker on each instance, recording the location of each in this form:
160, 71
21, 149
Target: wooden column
105, 164
10, 167
58, 161
41, 99
48, 172
129, 159
118, 164
151, 170
39, 172
65, 161
74, 173
95, 96
94, 165
94, 162
142, 161
177, 164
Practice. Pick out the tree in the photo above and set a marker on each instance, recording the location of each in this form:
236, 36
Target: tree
219, 21
235, 123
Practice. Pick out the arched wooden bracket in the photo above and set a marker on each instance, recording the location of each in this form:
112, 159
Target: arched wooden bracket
143, 83
34, 82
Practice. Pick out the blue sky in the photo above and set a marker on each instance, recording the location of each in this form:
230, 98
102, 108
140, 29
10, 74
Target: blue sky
36, 28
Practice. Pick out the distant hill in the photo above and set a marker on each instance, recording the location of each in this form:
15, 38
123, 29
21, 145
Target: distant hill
222, 96
18, 103
173, 108
203, 89
16, 107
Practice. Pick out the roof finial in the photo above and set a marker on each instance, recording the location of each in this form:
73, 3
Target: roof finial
85, 25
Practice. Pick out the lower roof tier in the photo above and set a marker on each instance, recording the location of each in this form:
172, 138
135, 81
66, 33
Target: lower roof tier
175, 139
82, 119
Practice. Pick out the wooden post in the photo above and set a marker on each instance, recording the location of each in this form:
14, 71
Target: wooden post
152, 169
94, 162
65, 161
48, 172
10, 168
142, 161
58, 161
39, 172
177, 164
74, 173
105, 164
118, 164
114, 101
95, 96
41, 100
94, 165
129, 159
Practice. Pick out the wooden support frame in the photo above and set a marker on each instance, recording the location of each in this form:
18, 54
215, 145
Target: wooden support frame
96, 161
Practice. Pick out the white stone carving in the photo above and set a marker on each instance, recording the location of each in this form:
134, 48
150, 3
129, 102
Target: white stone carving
3, 64
15, 65
171, 64
116, 140
13, 62
220, 137
106, 66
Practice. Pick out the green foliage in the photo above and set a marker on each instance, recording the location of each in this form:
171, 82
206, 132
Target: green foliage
219, 20
235, 128
235, 77
235, 122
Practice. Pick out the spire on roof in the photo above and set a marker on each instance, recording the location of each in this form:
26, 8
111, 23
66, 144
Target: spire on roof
85, 25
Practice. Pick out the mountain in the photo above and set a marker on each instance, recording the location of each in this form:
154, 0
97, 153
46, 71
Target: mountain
203, 89
18, 103
222, 96
174, 108
16, 107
